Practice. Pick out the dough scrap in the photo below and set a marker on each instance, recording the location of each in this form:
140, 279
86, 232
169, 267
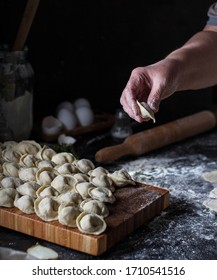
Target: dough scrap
146, 111
213, 193
211, 204
210, 176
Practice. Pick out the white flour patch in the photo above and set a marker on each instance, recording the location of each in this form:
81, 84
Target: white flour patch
175, 174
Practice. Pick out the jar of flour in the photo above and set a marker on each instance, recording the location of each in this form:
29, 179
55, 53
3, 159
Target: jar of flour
16, 95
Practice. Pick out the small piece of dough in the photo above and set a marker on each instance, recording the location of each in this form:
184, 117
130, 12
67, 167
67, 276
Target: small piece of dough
213, 193
210, 176
211, 204
146, 111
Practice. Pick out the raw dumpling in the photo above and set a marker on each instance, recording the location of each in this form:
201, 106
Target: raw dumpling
46, 153
66, 168
90, 223
102, 194
80, 177
10, 155
45, 175
8, 144
83, 188
70, 198
63, 183
46, 208
102, 181
63, 157
10, 169
67, 215
45, 163
11, 182
84, 165
95, 206
27, 173
49, 191
28, 188
7, 197
146, 111
27, 147
98, 171
25, 204
121, 178
28, 160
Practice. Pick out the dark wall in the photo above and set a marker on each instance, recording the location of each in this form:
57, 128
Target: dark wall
88, 48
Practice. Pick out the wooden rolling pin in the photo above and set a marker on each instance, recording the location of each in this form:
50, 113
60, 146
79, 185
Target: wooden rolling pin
160, 136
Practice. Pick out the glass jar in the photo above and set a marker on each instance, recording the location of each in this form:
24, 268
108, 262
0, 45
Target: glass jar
16, 96
122, 127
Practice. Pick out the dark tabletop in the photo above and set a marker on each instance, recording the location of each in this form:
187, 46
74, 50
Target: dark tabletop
185, 230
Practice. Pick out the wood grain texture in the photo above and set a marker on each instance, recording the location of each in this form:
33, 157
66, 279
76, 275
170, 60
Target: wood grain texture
160, 136
25, 25
135, 205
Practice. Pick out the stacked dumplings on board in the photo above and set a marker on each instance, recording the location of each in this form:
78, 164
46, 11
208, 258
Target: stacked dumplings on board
58, 186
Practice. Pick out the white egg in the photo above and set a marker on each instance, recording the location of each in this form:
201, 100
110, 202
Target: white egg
68, 119
81, 102
64, 139
51, 125
66, 105
84, 115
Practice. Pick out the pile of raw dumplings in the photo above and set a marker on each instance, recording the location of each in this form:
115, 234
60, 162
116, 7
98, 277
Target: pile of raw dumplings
57, 186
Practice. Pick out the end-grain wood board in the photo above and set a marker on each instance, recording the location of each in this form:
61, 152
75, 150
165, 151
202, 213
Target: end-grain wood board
134, 206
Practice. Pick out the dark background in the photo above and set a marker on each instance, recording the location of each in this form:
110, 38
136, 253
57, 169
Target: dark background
89, 48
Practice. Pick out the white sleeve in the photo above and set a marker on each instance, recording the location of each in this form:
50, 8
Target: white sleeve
212, 14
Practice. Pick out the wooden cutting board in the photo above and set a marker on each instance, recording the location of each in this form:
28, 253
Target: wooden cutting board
134, 206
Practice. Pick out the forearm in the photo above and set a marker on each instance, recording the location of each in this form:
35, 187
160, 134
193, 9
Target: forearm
196, 61
193, 66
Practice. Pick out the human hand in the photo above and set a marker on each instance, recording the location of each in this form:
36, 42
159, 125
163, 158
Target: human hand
149, 84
